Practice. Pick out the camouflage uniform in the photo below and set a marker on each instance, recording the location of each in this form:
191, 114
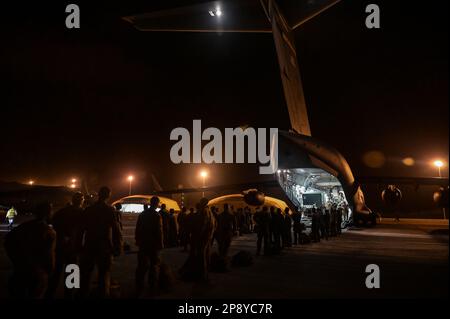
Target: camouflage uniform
149, 237
103, 240
201, 230
31, 248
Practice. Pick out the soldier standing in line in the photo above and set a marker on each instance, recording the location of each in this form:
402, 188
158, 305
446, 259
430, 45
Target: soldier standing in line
224, 231
277, 223
182, 223
297, 219
333, 221
327, 222
248, 219
68, 224
323, 224
262, 228
338, 221
287, 229
315, 225
202, 228
173, 229
165, 222
102, 241
150, 240
240, 221
31, 249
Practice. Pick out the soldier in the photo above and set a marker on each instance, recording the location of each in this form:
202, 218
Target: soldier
103, 240
248, 219
235, 224
277, 228
31, 249
240, 221
297, 219
338, 221
287, 229
262, 228
323, 224
67, 223
118, 208
272, 225
182, 228
327, 222
333, 221
224, 232
315, 225
165, 222
173, 229
202, 227
150, 240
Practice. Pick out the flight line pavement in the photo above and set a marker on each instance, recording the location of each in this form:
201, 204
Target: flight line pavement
412, 256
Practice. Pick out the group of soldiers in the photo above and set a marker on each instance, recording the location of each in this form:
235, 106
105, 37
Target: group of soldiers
91, 237
274, 229
326, 223
41, 248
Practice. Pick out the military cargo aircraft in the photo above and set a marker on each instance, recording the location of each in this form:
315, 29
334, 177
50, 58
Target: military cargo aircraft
311, 173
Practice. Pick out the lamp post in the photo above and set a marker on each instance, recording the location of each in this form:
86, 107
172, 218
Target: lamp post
130, 179
204, 175
438, 164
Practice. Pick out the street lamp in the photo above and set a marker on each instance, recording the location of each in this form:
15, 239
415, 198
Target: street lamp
30, 182
130, 179
438, 164
204, 175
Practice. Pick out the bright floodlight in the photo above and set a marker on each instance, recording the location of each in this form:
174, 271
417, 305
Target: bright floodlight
130, 178
73, 186
74, 180
218, 12
203, 174
438, 163
31, 182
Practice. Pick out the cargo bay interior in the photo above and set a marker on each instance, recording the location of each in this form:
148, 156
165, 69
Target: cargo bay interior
313, 187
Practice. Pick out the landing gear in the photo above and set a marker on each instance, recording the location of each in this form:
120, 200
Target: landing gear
363, 220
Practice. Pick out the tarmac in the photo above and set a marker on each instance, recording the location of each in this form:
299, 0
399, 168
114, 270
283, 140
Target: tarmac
412, 256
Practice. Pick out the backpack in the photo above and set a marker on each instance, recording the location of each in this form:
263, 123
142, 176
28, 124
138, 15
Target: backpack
242, 258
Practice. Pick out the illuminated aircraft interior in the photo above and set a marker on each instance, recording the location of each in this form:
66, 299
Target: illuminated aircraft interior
313, 187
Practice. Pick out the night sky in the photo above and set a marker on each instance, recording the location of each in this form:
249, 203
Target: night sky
99, 103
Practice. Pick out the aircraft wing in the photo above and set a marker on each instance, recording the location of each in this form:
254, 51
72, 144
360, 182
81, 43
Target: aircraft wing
267, 16
439, 181
218, 188
214, 16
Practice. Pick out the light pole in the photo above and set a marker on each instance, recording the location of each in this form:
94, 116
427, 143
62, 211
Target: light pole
204, 175
130, 179
438, 164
